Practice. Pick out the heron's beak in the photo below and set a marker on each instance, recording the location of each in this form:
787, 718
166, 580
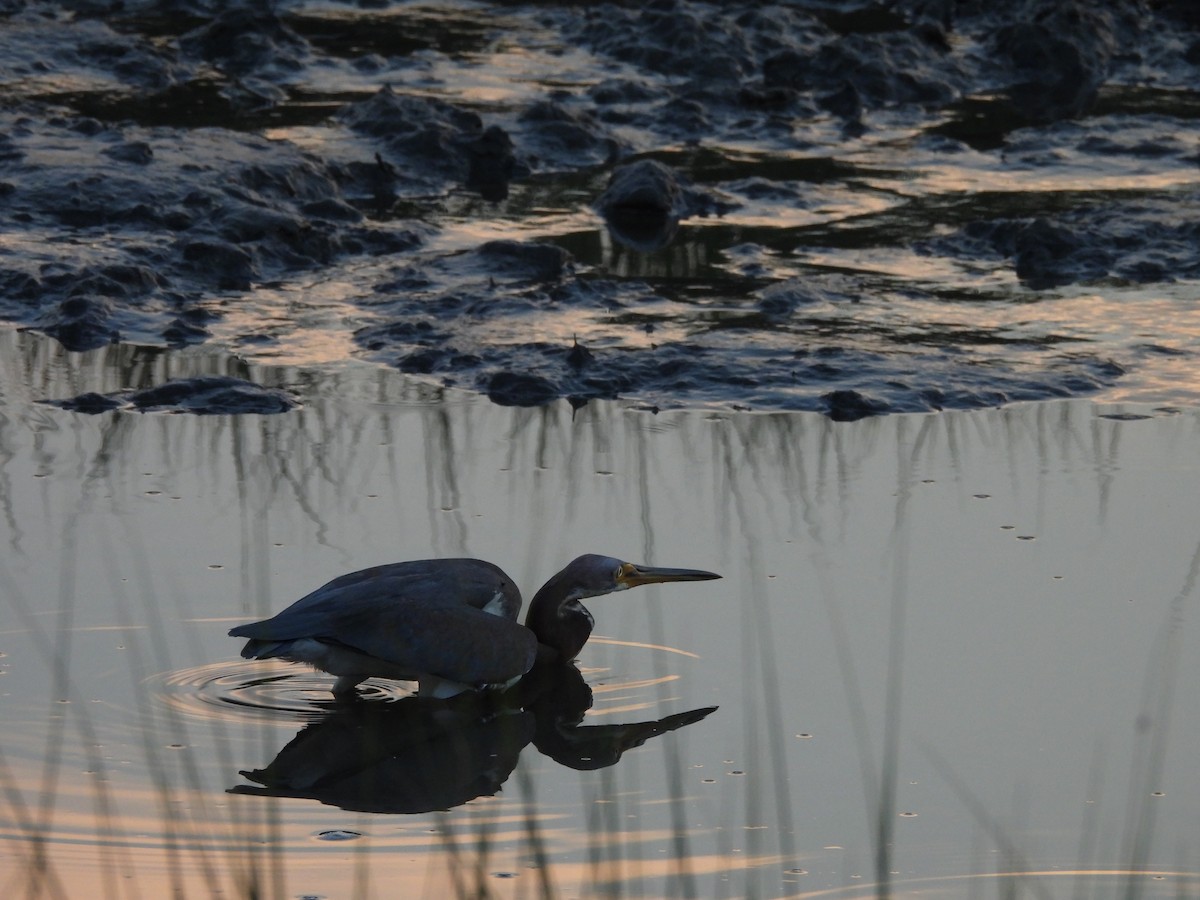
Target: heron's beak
632, 575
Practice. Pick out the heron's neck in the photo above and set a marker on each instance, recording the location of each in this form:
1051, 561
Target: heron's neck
558, 623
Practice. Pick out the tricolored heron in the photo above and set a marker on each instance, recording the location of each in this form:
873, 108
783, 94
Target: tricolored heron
443, 620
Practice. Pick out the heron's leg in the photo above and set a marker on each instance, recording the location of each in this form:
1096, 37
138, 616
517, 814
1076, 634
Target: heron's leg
345, 685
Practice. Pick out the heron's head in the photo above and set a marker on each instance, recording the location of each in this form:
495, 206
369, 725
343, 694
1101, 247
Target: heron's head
593, 575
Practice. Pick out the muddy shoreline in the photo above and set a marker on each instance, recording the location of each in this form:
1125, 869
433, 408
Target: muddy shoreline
850, 208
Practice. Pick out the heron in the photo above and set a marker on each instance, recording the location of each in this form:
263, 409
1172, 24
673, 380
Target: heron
448, 624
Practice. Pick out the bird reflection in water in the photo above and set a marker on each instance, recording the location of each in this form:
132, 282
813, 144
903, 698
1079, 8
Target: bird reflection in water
448, 624
421, 754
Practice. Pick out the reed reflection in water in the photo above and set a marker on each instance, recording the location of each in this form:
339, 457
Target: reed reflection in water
949, 654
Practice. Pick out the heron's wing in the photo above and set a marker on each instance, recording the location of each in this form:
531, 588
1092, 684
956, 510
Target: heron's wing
371, 592
410, 621
471, 582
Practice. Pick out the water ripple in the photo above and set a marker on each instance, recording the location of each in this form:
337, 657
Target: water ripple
270, 689
231, 689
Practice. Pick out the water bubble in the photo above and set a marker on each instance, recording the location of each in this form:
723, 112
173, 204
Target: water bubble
1007, 527
216, 566
908, 815
708, 781
735, 772
804, 736
1026, 537
504, 874
795, 871
1157, 794
982, 496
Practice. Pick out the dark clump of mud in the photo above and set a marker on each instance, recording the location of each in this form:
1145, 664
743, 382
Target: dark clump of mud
834, 206
203, 395
1141, 241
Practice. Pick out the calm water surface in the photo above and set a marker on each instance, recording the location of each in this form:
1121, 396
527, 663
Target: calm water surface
950, 653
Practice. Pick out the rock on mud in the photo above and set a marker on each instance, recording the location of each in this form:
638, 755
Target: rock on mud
645, 189
645, 201
649, 189
849, 406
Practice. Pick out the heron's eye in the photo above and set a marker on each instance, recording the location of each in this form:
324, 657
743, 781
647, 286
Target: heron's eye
620, 573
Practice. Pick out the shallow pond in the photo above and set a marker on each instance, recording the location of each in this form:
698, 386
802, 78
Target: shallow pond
950, 653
